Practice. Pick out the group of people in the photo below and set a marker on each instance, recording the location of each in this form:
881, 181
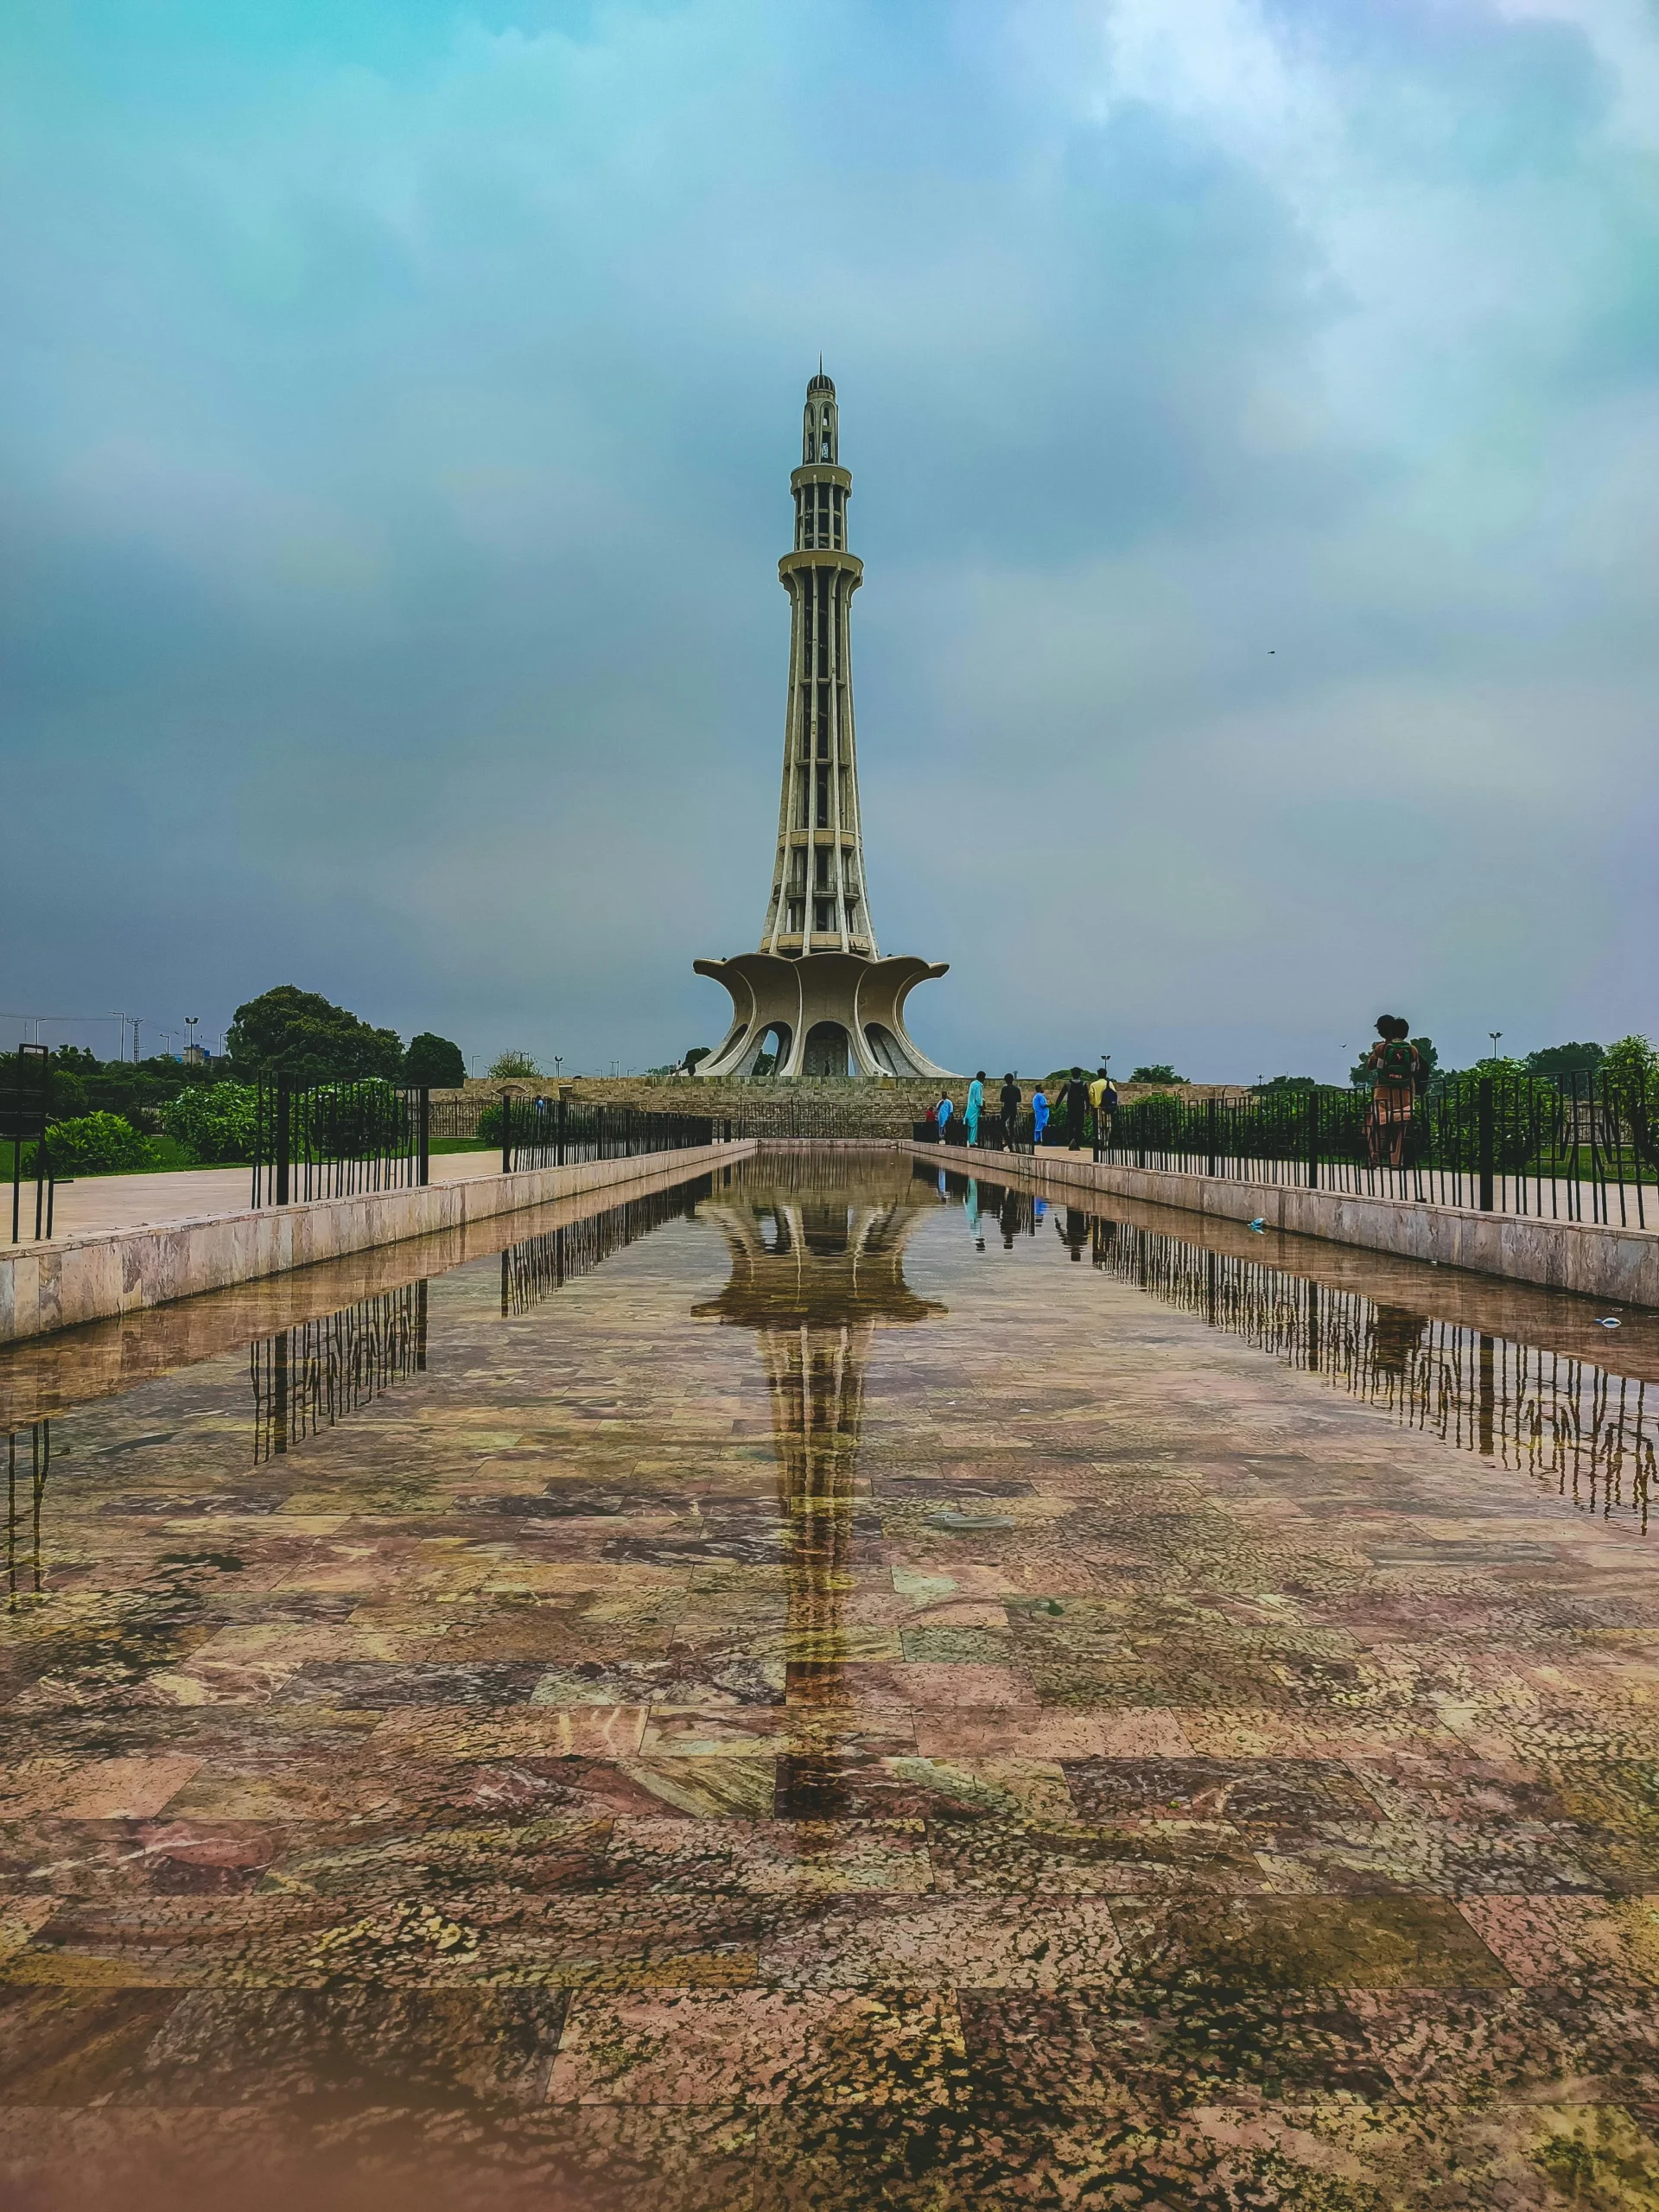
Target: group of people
1086, 1109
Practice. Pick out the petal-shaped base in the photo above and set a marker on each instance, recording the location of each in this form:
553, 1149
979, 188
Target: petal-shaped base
834, 1013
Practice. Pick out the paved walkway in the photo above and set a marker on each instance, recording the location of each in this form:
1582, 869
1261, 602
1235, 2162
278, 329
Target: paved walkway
103, 1203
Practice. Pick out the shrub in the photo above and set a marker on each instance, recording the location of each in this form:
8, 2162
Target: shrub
1159, 1071
435, 1062
512, 1064
214, 1122
97, 1144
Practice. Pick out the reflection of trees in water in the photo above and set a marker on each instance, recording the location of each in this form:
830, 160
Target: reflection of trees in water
29, 1461
815, 1271
1544, 1412
536, 1268
306, 1379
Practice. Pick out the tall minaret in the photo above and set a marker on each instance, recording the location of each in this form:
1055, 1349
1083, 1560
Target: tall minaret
817, 999
818, 902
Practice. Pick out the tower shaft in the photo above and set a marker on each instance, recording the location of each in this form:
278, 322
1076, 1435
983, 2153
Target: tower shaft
817, 999
819, 902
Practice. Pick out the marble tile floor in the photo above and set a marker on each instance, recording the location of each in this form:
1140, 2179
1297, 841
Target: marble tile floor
823, 1707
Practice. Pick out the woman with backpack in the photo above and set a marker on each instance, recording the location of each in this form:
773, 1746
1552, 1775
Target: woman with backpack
1397, 1065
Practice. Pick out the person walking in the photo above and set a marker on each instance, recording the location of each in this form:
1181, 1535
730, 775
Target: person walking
976, 1106
944, 1110
1008, 1098
1038, 1116
1398, 1067
1102, 1103
1075, 1098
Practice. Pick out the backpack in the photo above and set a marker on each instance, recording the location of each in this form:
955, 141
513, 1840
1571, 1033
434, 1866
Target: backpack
1399, 1063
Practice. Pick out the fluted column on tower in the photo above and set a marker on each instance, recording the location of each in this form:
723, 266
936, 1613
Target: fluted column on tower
817, 998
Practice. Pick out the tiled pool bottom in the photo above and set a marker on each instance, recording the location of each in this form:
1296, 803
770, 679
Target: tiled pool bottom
799, 1710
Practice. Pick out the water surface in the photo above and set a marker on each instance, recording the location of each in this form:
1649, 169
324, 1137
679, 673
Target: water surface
824, 1686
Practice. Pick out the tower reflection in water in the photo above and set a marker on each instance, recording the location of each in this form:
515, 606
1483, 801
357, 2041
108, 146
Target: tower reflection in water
817, 1269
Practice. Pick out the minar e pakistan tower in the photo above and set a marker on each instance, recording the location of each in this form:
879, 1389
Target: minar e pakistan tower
818, 994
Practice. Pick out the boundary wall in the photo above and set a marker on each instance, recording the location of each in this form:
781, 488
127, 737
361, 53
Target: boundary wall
60, 1285
1620, 1266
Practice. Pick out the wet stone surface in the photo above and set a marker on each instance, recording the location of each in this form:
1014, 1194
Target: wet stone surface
839, 1690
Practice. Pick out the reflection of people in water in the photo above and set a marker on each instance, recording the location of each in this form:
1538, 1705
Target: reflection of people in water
1075, 1232
1009, 1221
1396, 1331
970, 1208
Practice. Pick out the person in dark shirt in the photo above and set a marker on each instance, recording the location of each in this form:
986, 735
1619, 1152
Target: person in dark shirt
1075, 1098
1008, 1098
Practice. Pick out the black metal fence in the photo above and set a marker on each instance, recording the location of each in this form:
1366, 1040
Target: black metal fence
1576, 1147
25, 1079
333, 1140
556, 1133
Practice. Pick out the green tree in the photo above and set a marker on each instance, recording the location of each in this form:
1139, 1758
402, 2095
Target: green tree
1288, 1082
301, 1035
698, 1052
513, 1064
1564, 1059
434, 1061
1159, 1071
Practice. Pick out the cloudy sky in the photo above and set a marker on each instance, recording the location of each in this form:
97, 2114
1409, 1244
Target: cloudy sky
1253, 413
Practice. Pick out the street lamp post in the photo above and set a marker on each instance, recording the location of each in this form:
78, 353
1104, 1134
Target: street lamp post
1495, 1035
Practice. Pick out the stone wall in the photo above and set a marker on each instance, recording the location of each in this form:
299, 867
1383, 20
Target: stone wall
1616, 1265
47, 1287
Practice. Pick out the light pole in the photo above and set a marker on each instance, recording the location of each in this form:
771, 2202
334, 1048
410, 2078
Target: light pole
558, 1065
190, 1021
1494, 1034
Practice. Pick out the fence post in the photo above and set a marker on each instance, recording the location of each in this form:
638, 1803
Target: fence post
1483, 1120
559, 1139
506, 1133
284, 1136
1312, 1140
1210, 1120
423, 1126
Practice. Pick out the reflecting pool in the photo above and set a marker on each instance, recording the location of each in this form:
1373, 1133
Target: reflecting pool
837, 1684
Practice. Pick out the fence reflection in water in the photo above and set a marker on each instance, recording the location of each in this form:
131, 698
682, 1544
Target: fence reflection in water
534, 1269
1539, 1411
29, 1461
308, 1378
1546, 1413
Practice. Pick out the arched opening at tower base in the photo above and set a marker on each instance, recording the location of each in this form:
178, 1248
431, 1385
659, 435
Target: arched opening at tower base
771, 1053
827, 1049
885, 1049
